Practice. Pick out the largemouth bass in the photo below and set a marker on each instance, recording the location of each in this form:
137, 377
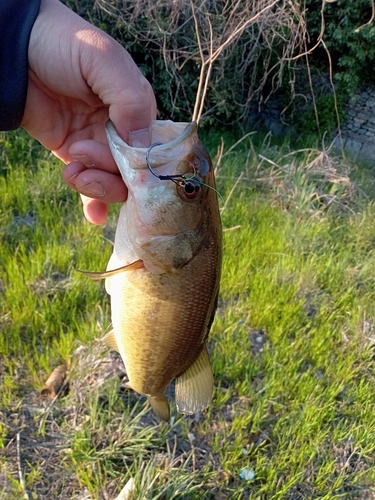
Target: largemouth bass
163, 276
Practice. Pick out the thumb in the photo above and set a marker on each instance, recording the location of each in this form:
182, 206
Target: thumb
133, 111
115, 78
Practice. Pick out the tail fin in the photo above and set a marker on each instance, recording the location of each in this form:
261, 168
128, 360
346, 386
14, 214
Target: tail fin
194, 387
160, 406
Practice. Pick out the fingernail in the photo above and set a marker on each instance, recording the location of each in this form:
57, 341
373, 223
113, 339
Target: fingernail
140, 138
72, 179
86, 160
94, 189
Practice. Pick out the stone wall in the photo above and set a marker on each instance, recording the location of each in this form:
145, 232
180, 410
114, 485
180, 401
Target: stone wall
358, 130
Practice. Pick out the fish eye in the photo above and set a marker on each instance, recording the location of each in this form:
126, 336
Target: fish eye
189, 189
196, 162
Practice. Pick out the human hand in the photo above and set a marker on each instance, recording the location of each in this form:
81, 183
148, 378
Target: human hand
79, 77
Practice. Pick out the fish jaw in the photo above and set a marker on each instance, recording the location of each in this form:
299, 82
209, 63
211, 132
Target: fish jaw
175, 139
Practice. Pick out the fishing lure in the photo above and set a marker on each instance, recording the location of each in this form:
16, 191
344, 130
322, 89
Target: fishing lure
179, 179
190, 184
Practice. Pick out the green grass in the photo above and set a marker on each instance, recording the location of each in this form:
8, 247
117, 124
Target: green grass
291, 345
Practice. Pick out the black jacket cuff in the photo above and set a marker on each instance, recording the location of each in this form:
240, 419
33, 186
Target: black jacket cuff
16, 21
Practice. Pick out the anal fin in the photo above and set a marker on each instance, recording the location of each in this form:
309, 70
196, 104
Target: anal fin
160, 406
194, 388
110, 340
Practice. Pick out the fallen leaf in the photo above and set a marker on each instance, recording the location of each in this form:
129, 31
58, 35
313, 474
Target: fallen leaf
55, 381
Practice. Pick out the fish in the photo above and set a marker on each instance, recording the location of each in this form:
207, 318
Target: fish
164, 274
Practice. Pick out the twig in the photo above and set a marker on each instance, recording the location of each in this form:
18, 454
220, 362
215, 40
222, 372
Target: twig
191, 439
333, 89
239, 29
371, 19
231, 192
312, 92
20, 475
213, 55
208, 74
319, 39
203, 67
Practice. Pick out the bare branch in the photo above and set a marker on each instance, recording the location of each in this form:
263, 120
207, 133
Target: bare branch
214, 45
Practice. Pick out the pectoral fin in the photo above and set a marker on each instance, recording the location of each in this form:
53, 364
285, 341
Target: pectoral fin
110, 340
194, 387
138, 264
160, 406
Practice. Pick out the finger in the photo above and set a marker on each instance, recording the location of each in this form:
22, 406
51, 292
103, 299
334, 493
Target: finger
94, 183
135, 115
120, 85
93, 153
95, 211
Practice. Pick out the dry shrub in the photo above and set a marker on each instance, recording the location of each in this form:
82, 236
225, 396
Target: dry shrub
207, 58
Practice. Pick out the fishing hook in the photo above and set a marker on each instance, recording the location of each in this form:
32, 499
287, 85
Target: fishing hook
178, 179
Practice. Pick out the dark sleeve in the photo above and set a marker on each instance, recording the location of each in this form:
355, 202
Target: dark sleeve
16, 20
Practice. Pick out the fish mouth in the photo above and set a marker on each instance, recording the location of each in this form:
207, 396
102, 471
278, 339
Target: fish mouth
170, 136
